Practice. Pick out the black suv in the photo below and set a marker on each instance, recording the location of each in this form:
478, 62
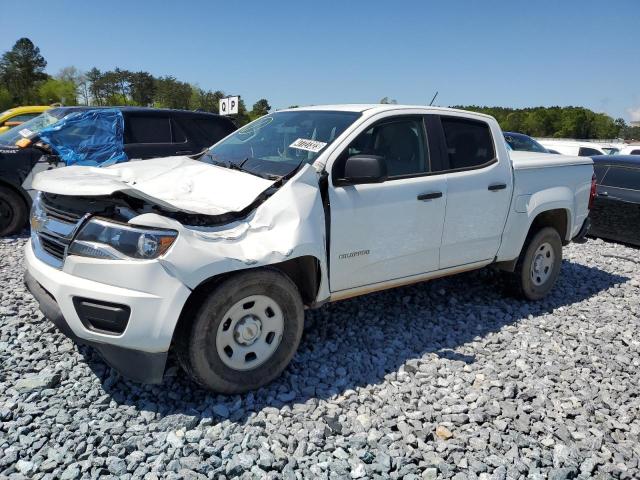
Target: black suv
148, 133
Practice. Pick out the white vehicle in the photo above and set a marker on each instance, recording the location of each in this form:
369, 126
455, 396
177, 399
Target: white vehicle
629, 150
218, 257
573, 147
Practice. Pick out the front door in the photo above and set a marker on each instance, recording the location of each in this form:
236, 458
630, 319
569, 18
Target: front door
389, 230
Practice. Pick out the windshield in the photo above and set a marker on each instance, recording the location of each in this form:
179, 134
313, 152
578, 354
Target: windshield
28, 128
524, 143
276, 144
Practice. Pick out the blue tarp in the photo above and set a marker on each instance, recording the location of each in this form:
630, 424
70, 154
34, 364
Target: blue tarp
90, 137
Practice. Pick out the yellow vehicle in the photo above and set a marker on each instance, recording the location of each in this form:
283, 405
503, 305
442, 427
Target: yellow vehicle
15, 116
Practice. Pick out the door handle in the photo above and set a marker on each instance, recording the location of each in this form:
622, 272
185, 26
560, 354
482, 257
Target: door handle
429, 196
497, 186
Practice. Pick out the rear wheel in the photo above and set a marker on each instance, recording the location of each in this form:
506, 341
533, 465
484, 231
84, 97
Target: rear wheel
13, 212
538, 266
245, 332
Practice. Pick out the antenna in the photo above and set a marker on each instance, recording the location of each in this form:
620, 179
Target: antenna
433, 99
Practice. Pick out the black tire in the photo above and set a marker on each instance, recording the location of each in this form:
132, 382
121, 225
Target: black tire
523, 282
13, 212
197, 350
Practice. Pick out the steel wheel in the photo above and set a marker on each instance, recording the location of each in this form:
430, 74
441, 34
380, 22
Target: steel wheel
542, 264
250, 332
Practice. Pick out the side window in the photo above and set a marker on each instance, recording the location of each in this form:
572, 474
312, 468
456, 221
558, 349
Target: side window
635, 152
401, 142
469, 142
621, 177
205, 131
23, 117
588, 152
147, 129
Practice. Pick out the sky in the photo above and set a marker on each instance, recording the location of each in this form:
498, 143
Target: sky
511, 53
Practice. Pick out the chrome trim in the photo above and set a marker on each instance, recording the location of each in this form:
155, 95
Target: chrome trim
47, 225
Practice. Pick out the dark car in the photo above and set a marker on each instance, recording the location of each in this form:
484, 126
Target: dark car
141, 133
524, 143
615, 214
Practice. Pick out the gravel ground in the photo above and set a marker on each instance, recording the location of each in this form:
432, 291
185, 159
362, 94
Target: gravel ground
448, 379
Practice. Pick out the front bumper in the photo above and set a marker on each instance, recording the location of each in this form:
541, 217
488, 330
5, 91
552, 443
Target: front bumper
140, 351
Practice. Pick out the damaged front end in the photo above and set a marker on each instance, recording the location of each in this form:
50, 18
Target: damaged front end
285, 220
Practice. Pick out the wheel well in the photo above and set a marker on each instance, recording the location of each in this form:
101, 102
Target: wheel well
20, 193
304, 272
557, 219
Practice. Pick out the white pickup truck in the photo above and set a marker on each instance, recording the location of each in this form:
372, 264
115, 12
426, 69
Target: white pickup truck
218, 256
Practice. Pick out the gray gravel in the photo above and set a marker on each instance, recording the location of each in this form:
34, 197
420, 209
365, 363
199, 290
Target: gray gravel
447, 379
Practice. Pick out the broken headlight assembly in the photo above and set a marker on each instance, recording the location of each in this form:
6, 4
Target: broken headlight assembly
99, 238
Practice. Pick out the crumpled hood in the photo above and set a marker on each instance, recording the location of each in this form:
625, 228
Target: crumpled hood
176, 183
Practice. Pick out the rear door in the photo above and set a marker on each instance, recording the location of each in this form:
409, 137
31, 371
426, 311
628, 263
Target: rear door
479, 189
148, 135
390, 230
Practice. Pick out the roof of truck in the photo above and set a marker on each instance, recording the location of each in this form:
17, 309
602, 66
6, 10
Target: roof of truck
381, 107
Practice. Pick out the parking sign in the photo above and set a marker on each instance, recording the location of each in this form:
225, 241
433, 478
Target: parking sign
229, 105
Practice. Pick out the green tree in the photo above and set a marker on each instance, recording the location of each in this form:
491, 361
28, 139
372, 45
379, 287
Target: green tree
6, 101
205, 100
142, 88
21, 69
94, 78
387, 100
260, 109
58, 91
172, 93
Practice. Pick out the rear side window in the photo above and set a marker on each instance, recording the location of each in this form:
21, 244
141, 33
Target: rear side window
205, 131
635, 152
588, 152
469, 142
622, 177
148, 129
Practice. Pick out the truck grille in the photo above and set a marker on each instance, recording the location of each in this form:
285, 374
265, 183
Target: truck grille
52, 229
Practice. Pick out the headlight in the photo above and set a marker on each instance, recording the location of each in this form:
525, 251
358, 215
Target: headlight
103, 239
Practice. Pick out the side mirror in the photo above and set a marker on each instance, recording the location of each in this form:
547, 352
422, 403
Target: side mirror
364, 169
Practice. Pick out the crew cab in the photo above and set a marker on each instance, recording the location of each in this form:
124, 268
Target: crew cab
66, 135
217, 256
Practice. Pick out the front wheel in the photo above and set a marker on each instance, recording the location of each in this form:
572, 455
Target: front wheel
245, 332
13, 212
538, 266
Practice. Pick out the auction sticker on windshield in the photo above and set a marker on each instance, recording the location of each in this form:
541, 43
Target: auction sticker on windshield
25, 132
309, 145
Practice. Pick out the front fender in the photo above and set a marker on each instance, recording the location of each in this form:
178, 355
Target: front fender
288, 225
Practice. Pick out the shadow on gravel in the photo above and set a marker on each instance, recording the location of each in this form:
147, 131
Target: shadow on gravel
363, 340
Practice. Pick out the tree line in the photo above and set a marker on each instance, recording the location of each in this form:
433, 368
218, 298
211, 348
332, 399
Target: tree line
23, 81
559, 122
